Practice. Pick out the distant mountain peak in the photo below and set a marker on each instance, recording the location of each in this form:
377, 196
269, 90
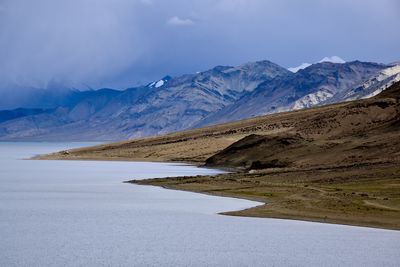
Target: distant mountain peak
332, 59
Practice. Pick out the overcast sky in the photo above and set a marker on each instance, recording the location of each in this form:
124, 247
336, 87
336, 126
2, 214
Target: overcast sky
120, 43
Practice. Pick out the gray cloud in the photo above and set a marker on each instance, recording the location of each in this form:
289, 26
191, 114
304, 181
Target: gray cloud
122, 43
75, 41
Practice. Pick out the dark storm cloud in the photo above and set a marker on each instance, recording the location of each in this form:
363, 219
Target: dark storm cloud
124, 42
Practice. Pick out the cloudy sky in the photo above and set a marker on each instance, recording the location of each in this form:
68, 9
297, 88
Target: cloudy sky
120, 43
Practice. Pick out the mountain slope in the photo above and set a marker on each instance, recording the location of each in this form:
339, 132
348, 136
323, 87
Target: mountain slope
371, 87
306, 88
167, 105
185, 100
6, 115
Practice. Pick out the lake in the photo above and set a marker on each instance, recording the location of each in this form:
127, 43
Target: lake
79, 213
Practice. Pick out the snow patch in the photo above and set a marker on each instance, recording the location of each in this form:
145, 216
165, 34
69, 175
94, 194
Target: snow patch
302, 66
376, 84
312, 99
159, 83
333, 59
390, 71
393, 80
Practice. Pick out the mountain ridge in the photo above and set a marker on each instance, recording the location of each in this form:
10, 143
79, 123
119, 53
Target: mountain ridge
282, 93
223, 93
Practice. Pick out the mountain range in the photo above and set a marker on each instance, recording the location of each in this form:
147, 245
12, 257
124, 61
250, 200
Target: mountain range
221, 94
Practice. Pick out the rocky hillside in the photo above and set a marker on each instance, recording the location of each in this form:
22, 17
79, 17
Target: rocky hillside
306, 88
371, 87
167, 105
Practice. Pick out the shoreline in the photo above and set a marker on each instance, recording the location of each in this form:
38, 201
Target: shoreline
242, 212
55, 156
196, 185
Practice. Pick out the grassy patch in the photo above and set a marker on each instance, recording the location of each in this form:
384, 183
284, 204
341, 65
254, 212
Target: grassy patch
318, 196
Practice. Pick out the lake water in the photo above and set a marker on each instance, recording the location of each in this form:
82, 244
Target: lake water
79, 213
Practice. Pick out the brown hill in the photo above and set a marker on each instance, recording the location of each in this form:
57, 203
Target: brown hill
364, 132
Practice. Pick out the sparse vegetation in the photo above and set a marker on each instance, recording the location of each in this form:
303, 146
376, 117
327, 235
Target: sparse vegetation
346, 196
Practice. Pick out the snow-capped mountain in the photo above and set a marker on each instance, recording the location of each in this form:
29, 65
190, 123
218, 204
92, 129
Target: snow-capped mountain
304, 89
371, 87
377, 84
333, 59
